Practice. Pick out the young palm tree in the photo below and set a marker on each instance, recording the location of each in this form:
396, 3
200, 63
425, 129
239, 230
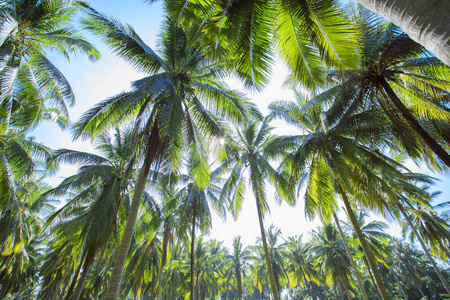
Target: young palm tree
177, 104
239, 259
251, 151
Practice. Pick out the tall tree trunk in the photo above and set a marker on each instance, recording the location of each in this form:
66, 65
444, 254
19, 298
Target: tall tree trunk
74, 281
192, 251
347, 292
273, 285
86, 267
239, 281
112, 292
409, 118
371, 276
350, 256
366, 249
163, 255
425, 249
425, 21
400, 287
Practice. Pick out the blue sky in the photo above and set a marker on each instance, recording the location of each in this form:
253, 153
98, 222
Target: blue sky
96, 81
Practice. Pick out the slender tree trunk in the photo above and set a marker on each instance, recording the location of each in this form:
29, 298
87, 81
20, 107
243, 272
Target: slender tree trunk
409, 118
341, 293
347, 292
308, 288
273, 285
425, 249
163, 256
74, 281
400, 287
239, 281
192, 251
112, 292
425, 21
371, 277
86, 267
350, 256
366, 249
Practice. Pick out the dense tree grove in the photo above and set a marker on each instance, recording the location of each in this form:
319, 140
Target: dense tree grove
133, 221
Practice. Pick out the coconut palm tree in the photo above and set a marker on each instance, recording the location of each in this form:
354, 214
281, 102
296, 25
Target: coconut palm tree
251, 151
333, 151
28, 29
239, 260
403, 79
95, 194
175, 107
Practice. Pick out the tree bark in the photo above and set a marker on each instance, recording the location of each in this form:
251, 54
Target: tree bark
425, 249
425, 21
273, 285
366, 249
112, 292
350, 256
409, 118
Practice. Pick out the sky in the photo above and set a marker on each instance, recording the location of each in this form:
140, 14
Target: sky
96, 81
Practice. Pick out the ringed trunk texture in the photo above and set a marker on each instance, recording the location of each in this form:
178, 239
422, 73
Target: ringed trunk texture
415, 125
366, 249
112, 292
350, 256
425, 249
273, 285
425, 21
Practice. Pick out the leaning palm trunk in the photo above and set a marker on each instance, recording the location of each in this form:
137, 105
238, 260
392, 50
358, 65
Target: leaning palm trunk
425, 249
74, 281
425, 21
86, 267
273, 285
350, 256
366, 249
409, 118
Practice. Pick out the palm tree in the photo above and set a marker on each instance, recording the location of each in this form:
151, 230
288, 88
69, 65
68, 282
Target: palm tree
239, 259
28, 28
251, 150
300, 268
422, 20
404, 80
330, 254
333, 150
101, 183
175, 107
195, 206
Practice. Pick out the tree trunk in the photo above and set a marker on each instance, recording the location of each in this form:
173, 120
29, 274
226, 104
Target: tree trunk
400, 287
371, 277
192, 251
112, 292
239, 281
425, 249
347, 292
74, 281
409, 118
86, 267
366, 249
350, 256
273, 285
425, 21
163, 255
